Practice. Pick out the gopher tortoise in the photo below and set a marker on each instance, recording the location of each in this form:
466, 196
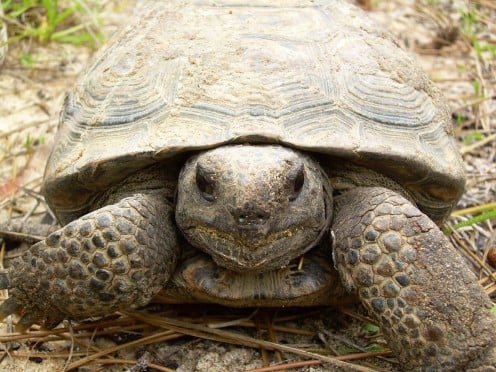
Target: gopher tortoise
258, 154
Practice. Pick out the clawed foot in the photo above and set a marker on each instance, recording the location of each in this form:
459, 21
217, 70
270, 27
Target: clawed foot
114, 258
415, 284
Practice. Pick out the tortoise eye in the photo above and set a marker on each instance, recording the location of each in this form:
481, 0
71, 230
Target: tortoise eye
206, 183
296, 180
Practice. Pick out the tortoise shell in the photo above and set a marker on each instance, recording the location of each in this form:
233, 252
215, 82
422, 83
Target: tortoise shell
317, 76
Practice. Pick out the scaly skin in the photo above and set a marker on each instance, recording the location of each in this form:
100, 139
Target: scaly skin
116, 257
413, 282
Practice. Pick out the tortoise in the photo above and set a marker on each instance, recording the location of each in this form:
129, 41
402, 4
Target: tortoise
258, 154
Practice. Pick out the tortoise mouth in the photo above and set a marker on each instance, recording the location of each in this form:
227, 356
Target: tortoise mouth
251, 239
255, 252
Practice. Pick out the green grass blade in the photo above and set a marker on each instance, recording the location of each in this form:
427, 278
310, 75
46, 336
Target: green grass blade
471, 221
51, 8
64, 15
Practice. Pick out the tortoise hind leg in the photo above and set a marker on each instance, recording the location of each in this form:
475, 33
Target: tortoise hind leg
116, 257
413, 282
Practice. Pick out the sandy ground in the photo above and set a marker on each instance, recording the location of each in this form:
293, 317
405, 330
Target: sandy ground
30, 99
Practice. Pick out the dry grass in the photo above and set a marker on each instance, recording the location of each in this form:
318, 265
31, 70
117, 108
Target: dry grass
457, 46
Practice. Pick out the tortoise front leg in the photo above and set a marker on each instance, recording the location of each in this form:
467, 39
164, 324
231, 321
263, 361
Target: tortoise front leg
116, 257
413, 282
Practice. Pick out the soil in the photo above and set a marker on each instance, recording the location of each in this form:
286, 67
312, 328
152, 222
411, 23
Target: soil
441, 34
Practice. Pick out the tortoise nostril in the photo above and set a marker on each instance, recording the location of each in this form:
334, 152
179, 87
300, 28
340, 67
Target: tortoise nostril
249, 218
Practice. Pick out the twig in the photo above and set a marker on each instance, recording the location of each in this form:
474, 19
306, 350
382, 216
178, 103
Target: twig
466, 149
235, 338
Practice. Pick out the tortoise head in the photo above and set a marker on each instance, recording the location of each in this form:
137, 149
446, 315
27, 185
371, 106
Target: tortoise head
253, 207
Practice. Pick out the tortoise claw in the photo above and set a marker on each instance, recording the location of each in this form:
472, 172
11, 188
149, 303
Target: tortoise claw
52, 320
9, 307
26, 321
31, 315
